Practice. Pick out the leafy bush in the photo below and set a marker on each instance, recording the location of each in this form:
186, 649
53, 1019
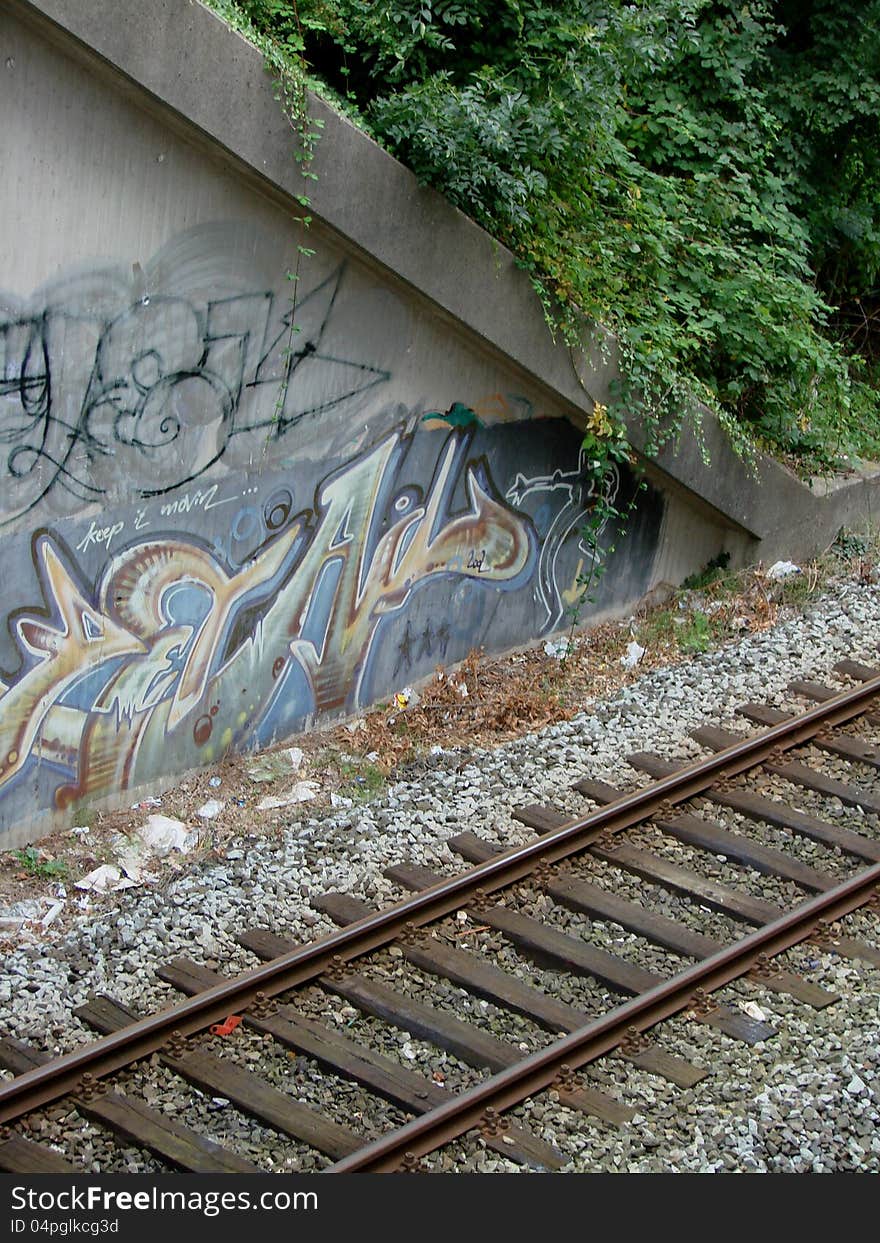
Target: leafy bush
702, 176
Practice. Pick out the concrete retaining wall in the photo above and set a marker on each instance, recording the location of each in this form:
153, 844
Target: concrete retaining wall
233, 502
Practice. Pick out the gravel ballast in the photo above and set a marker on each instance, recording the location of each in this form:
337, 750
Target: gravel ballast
806, 1100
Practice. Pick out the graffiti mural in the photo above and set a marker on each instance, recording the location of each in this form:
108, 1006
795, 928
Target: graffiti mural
185, 657
227, 512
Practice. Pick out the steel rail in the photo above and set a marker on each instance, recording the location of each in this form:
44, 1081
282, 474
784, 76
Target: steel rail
101, 1057
541, 1070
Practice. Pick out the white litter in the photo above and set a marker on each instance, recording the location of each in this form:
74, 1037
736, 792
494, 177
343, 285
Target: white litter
302, 792
52, 914
162, 834
754, 1011
105, 878
782, 569
209, 810
297, 755
634, 653
78, 830
408, 1051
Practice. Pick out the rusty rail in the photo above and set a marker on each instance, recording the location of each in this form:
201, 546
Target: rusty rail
61, 1076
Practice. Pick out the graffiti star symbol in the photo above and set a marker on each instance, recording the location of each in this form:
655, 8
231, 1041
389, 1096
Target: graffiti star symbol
404, 649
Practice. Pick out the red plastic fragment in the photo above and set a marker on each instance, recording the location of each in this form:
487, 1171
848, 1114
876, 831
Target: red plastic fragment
228, 1025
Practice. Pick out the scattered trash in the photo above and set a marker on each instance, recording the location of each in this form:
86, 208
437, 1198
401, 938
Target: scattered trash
634, 653
105, 878
78, 830
754, 1011
209, 810
215, 781
147, 802
355, 725
462, 690
52, 914
560, 650
782, 569
163, 834
20, 912
302, 792
297, 755
372, 757
339, 800
408, 1051
228, 1025
220, 1101
461, 916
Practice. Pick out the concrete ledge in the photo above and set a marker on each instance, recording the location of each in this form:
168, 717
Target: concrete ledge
181, 61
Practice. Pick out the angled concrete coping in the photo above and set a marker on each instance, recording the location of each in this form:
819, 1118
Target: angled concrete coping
181, 61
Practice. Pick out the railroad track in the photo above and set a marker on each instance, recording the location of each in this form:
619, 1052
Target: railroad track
556, 869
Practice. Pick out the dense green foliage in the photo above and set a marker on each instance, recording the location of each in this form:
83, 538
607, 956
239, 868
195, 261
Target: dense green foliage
702, 176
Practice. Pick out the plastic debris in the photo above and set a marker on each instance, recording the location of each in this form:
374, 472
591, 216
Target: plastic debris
408, 1051
215, 781
52, 914
297, 755
754, 1011
78, 830
634, 653
105, 878
146, 802
162, 834
228, 1025
302, 792
782, 569
209, 810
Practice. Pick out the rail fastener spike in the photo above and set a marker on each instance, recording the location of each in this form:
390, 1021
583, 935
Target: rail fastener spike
723, 782
542, 875
262, 1006
90, 1087
409, 934
634, 1042
411, 1164
177, 1044
764, 968
337, 968
567, 1078
701, 1003
479, 901
822, 935
493, 1123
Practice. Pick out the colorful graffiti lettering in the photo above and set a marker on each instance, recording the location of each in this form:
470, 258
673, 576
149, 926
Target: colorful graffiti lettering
174, 653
